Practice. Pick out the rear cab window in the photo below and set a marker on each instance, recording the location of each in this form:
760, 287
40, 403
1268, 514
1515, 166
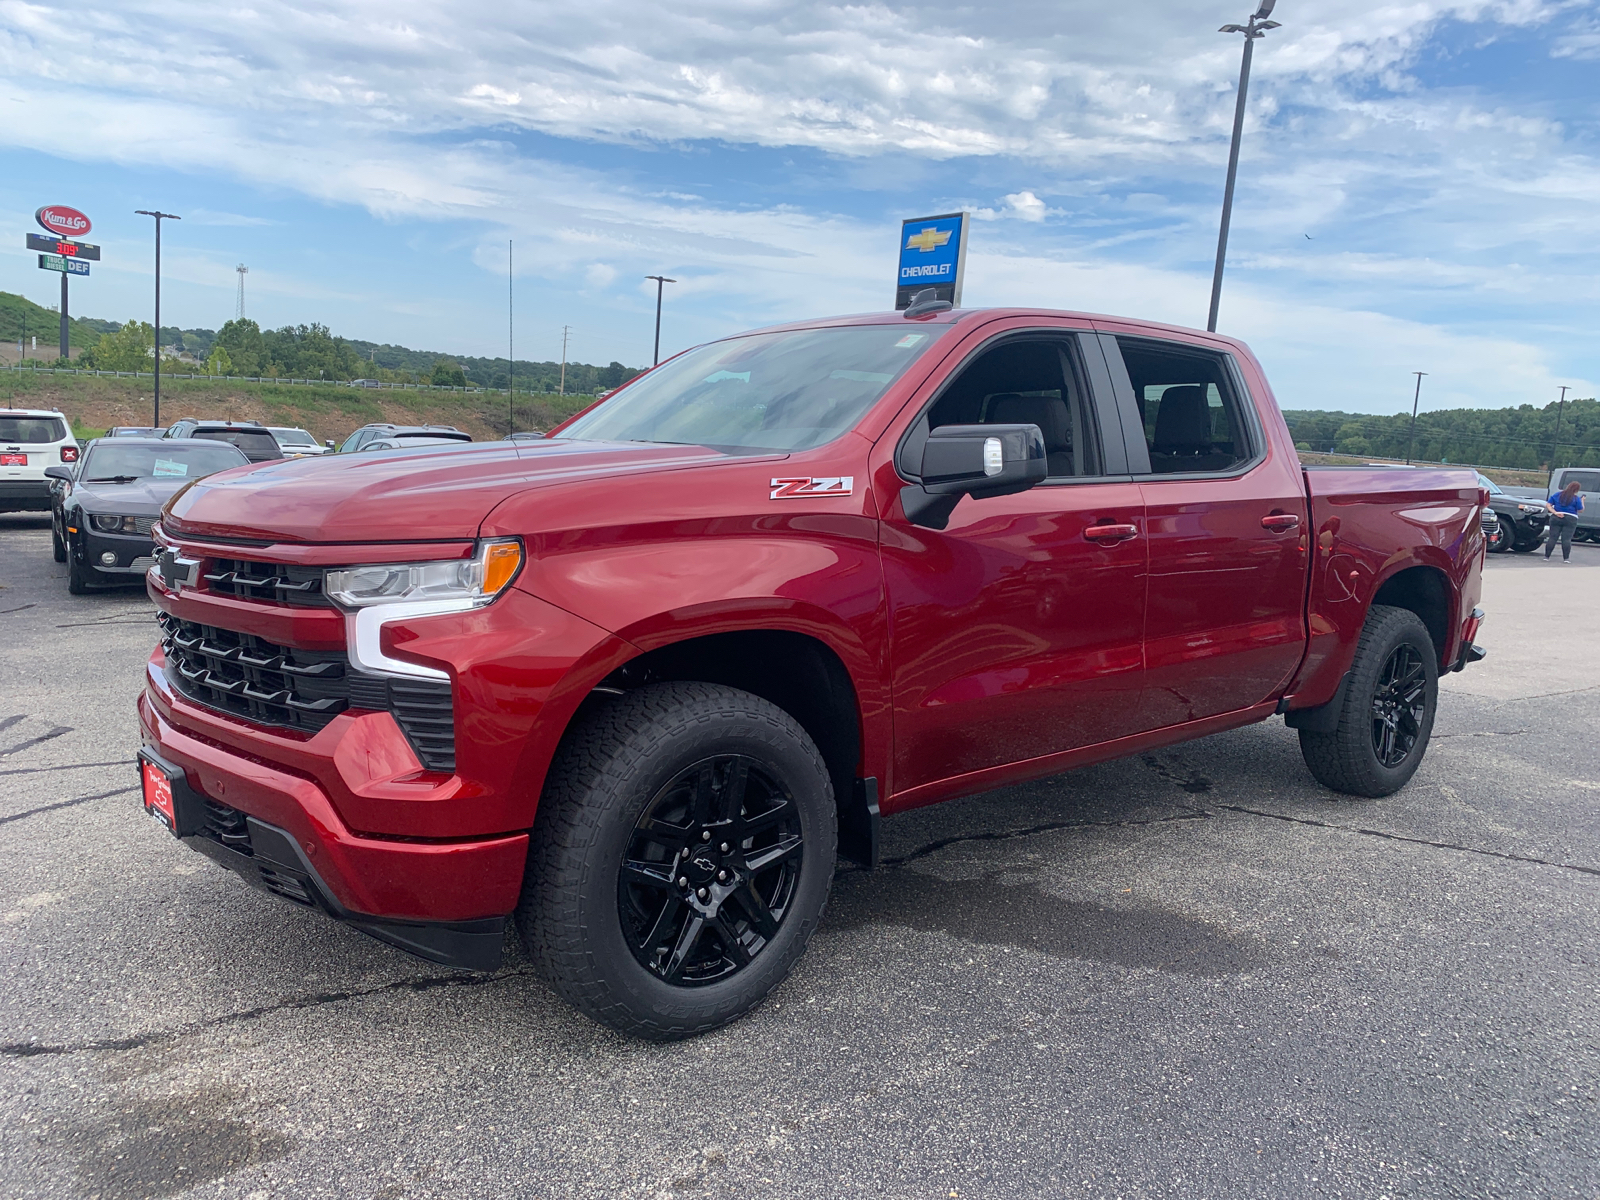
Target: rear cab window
1194, 420
257, 444
32, 431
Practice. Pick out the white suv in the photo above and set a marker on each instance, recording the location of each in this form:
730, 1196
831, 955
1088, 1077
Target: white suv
31, 439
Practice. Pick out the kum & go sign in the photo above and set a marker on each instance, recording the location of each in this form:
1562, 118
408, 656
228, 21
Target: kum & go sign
63, 221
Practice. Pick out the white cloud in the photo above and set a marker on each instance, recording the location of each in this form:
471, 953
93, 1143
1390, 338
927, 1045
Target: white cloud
600, 276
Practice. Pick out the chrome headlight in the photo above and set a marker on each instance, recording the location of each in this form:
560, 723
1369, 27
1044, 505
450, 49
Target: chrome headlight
1530, 508
470, 582
111, 523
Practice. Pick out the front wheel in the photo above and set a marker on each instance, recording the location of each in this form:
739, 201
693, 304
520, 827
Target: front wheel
681, 859
58, 546
1387, 715
1528, 545
78, 578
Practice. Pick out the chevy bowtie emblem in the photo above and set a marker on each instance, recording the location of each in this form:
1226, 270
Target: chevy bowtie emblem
176, 571
929, 240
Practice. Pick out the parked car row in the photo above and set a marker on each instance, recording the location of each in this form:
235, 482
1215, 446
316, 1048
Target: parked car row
105, 496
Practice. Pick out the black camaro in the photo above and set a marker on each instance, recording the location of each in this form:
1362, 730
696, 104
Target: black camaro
106, 503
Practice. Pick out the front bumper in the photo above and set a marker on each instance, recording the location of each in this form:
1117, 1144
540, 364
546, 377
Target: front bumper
444, 900
134, 554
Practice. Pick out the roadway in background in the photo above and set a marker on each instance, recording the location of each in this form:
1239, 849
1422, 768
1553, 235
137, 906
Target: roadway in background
1188, 974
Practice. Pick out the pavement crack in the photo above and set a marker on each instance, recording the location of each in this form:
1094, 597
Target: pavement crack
1439, 737
43, 737
34, 812
119, 762
19, 608
1007, 835
315, 1000
1400, 837
7, 722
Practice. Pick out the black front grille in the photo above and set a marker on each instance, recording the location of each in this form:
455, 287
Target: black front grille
242, 674
278, 582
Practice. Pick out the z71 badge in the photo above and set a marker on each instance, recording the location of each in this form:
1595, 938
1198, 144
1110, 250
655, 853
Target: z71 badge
804, 489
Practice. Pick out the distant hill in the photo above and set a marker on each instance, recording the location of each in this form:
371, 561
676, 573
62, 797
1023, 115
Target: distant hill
1523, 437
312, 351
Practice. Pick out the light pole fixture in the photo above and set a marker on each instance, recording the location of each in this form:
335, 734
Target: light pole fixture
1415, 399
661, 281
1555, 446
1256, 28
160, 217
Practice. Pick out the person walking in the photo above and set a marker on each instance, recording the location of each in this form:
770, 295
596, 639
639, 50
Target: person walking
1565, 506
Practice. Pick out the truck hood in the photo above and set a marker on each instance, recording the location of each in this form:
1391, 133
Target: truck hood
436, 493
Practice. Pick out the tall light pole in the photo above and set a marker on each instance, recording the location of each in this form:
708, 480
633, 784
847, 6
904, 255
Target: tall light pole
1555, 447
160, 217
661, 281
1256, 28
1415, 399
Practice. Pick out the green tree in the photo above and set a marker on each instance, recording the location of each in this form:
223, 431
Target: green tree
128, 348
242, 342
447, 374
218, 362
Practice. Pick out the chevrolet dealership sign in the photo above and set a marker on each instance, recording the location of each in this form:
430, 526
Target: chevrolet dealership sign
933, 254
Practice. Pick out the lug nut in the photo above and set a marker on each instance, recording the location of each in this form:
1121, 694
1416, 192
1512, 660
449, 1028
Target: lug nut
682, 882
705, 835
722, 876
701, 893
724, 847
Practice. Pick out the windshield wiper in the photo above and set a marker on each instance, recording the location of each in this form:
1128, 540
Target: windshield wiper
115, 479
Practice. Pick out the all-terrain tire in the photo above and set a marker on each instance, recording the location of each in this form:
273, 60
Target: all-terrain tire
1348, 760
1527, 545
607, 774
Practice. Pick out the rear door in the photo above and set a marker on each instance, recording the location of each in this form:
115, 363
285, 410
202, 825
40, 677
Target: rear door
1225, 522
1015, 631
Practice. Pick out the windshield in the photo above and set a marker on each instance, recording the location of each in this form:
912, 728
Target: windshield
292, 437
1485, 482
19, 430
109, 461
768, 391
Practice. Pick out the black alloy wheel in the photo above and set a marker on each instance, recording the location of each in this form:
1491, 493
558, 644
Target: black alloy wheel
1399, 705
710, 872
57, 545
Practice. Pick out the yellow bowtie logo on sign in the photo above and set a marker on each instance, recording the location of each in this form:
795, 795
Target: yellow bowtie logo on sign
929, 240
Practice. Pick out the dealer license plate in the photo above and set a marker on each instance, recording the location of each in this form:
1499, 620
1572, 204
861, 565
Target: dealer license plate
13, 460
158, 794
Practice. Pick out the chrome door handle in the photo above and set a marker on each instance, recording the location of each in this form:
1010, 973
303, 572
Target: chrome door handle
1110, 533
1278, 522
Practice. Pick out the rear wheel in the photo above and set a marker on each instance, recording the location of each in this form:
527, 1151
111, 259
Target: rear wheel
681, 859
1387, 714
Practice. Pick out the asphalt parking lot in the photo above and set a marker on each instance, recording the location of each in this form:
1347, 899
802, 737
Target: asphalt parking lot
1191, 974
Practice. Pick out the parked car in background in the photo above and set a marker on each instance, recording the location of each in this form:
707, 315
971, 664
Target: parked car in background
32, 440
368, 433
296, 443
526, 435
1522, 520
112, 497
1588, 480
409, 443
252, 437
135, 431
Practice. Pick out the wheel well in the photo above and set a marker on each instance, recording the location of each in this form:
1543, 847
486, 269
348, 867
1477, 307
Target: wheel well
1425, 592
799, 674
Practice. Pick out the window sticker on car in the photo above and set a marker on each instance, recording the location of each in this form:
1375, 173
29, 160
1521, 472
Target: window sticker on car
800, 489
911, 340
167, 467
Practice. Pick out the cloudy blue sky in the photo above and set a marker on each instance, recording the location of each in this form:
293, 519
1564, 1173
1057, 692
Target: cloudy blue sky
1420, 187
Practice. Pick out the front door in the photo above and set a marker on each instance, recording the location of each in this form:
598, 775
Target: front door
1015, 631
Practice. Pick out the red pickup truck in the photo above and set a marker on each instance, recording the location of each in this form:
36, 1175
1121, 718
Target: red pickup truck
637, 684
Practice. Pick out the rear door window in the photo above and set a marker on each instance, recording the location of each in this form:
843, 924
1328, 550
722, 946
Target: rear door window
31, 431
1587, 481
1193, 420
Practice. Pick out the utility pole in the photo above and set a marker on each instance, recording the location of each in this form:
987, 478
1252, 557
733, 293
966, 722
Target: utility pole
566, 330
1556, 445
511, 347
1415, 399
661, 281
243, 271
160, 217
1256, 28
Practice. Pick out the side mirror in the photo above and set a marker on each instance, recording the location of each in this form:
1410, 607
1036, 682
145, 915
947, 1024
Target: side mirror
62, 473
972, 460
328, 443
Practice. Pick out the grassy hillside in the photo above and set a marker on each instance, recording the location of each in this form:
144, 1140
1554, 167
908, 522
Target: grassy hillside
95, 404
19, 315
